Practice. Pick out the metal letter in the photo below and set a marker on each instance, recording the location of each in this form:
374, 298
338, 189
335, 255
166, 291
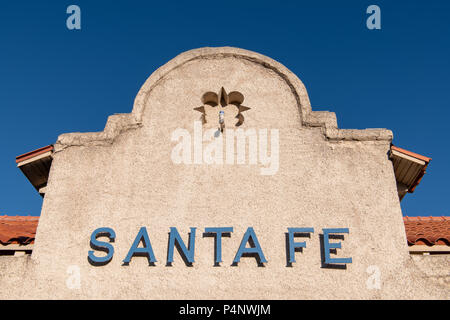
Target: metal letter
327, 246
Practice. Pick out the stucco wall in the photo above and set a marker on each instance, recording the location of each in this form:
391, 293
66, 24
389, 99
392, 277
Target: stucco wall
435, 268
124, 178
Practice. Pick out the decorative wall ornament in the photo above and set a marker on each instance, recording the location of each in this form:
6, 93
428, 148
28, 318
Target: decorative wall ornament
223, 99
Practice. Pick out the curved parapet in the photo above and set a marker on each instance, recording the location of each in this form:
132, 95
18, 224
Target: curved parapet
122, 122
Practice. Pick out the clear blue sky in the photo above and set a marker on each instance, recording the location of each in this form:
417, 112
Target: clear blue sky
53, 80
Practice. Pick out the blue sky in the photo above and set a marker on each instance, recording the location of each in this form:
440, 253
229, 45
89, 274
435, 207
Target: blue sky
53, 80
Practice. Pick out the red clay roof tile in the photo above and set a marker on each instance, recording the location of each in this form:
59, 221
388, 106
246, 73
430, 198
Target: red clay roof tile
18, 229
427, 230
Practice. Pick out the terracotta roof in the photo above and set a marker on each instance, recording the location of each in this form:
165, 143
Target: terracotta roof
427, 230
409, 169
33, 153
35, 165
17, 229
412, 154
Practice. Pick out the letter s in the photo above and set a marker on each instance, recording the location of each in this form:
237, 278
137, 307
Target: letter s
101, 246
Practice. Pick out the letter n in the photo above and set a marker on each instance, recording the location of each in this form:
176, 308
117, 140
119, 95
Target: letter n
186, 253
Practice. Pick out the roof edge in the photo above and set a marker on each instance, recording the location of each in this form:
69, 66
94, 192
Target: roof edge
34, 153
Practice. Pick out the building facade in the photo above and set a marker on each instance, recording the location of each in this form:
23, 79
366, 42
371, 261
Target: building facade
223, 183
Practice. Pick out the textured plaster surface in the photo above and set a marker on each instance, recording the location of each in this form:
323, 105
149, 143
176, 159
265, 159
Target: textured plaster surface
124, 178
